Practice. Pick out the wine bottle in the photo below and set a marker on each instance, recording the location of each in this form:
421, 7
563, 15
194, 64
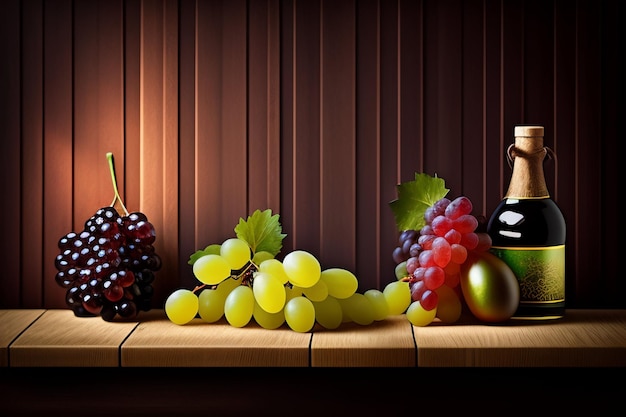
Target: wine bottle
527, 230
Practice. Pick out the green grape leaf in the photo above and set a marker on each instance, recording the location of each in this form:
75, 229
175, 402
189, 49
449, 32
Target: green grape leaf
211, 249
414, 197
262, 231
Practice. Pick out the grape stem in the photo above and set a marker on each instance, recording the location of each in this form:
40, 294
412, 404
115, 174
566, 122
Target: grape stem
199, 287
245, 280
117, 197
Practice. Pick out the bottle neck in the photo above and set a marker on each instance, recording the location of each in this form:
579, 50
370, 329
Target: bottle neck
528, 179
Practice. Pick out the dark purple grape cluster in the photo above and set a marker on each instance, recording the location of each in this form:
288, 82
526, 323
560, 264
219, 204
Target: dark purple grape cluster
109, 267
408, 246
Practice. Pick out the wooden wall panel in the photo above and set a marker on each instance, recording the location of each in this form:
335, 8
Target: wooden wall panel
443, 69
187, 232
303, 221
220, 155
159, 134
32, 160
10, 150
264, 187
612, 289
563, 138
337, 198
58, 199
314, 109
477, 45
389, 136
368, 147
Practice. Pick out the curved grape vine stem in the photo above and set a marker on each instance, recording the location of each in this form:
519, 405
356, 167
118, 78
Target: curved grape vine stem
246, 279
117, 197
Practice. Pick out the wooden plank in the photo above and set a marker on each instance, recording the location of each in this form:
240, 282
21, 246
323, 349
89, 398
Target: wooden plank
386, 343
367, 124
264, 188
338, 137
11, 78
13, 323
583, 338
305, 176
31, 173
98, 116
58, 338
160, 343
57, 151
54, 338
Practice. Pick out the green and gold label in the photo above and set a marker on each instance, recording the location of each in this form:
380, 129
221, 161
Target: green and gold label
539, 271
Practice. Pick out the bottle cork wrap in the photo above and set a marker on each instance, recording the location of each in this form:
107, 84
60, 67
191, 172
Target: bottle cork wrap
527, 154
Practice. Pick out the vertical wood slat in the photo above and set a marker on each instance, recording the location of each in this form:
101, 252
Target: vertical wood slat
443, 69
10, 149
128, 163
221, 120
588, 171
159, 132
613, 104
368, 208
492, 163
564, 139
263, 107
58, 121
389, 136
474, 90
411, 88
305, 170
511, 68
287, 120
98, 104
338, 139
32, 160
187, 232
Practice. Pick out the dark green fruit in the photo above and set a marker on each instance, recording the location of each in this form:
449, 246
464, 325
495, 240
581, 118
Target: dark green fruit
489, 287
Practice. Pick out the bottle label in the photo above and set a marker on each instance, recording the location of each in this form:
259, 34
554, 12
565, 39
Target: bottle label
540, 272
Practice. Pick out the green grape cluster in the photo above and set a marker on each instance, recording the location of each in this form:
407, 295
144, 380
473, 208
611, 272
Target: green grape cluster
241, 285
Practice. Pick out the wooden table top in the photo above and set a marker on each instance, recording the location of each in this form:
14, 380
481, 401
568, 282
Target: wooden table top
56, 338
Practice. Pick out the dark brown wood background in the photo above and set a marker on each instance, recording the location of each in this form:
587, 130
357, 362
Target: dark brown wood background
314, 109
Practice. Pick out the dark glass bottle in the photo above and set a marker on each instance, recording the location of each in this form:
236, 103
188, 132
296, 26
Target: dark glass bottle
527, 230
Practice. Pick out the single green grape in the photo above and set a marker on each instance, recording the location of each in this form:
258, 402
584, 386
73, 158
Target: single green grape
379, 303
317, 292
358, 308
418, 316
236, 252
341, 282
274, 267
328, 313
269, 292
401, 271
267, 320
211, 305
449, 305
302, 268
398, 296
300, 314
181, 306
211, 269
239, 306
261, 256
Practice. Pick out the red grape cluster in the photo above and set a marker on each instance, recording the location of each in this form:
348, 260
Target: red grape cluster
435, 253
109, 267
